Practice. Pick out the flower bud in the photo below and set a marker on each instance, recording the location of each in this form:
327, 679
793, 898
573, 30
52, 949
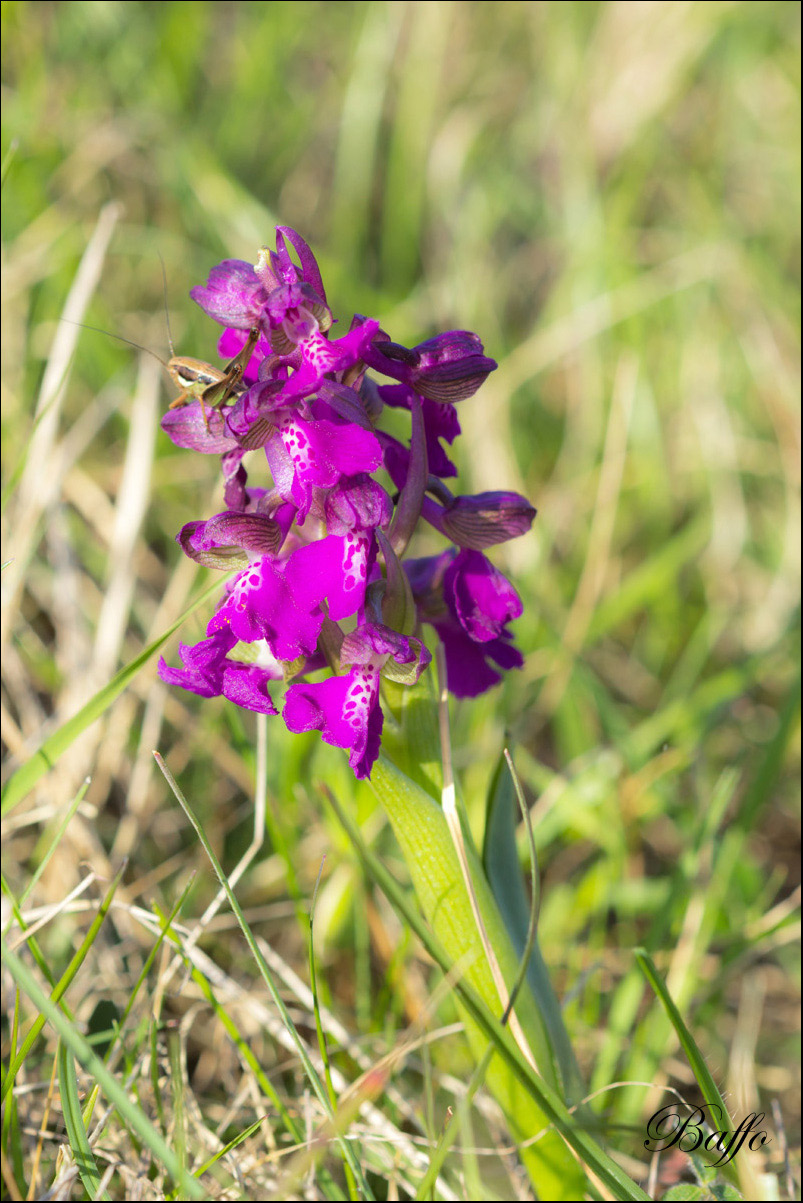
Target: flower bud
451, 366
358, 503
231, 539
485, 519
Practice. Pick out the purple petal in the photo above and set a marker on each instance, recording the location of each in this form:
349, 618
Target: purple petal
232, 295
203, 665
322, 355
261, 605
335, 568
323, 452
309, 265
440, 422
295, 313
230, 532
345, 710
186, 427
344, 402
235, 494
358, 503
451, 366
426, 581
318, 706
479, 596
372, 643
231, 343
281, 468
247, 685
468, 671
209, 672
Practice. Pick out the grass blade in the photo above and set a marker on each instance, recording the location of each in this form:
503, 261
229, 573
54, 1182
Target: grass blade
54, 843
501, 863
64, 981
27, 775
227, 1148
708, 1087
76, 1132
87, 1057
301, 1048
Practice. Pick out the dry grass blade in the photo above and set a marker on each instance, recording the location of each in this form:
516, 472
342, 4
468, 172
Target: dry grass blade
34, 496
298, 1043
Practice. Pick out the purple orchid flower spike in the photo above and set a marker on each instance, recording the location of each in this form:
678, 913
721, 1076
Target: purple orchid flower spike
324, 544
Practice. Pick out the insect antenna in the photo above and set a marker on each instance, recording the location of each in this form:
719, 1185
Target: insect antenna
167, 310
120, 339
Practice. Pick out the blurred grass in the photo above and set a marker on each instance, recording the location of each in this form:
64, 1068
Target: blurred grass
607, 193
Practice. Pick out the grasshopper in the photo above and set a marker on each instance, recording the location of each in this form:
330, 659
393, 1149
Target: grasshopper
198, 379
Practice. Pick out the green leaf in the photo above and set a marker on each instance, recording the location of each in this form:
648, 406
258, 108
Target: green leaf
422, 832
501, 863
487, 1022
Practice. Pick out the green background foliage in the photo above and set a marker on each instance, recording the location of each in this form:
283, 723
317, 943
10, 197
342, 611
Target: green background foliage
609, 194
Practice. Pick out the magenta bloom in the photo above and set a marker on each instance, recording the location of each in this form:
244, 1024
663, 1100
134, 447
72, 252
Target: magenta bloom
338, 566
346, 709
209, 672
262, 604
233, 295
481, 599
469, 603
321, 542
305, 455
